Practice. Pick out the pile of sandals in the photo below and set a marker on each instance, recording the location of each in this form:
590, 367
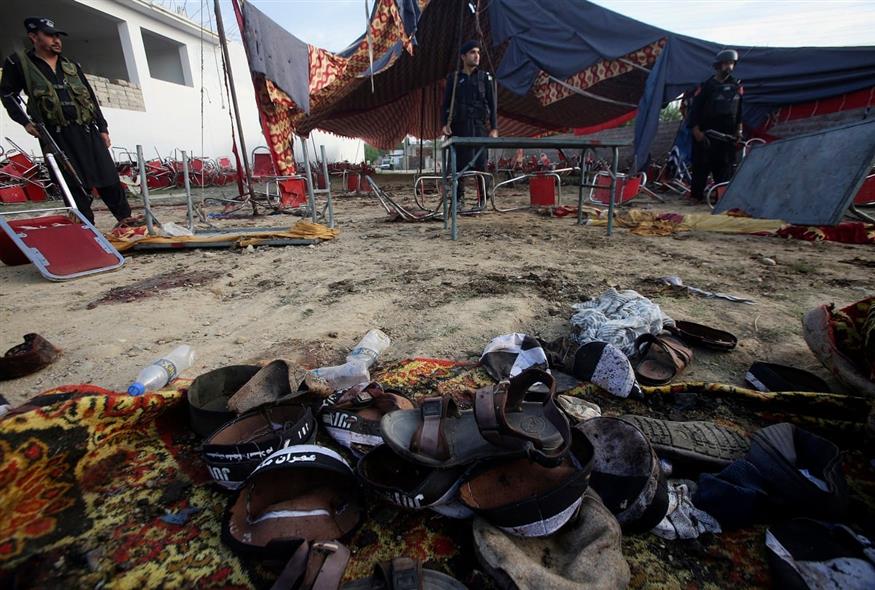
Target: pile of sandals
512, 462
549, 484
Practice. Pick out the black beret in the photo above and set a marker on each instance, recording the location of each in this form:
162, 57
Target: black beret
468, 46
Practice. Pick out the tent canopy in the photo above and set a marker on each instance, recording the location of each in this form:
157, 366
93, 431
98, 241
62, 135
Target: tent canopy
560, 64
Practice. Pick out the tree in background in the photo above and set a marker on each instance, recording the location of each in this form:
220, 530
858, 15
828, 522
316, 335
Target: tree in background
372, 154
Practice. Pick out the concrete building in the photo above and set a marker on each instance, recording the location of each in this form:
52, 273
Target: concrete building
157, 75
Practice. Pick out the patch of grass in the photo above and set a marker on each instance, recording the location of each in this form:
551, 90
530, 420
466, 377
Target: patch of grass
307, 313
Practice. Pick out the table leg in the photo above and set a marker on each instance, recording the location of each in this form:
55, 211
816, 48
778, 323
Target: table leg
445, 170
615, 164
454, 205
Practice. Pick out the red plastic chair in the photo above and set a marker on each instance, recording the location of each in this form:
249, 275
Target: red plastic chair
628, 188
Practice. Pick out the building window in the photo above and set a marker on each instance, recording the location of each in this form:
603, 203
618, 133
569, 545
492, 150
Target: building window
167, 59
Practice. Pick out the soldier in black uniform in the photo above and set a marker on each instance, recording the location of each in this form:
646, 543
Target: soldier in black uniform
469, 108
716, 106
60, 96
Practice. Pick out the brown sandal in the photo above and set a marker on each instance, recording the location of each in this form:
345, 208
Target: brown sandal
661, 358
508, 420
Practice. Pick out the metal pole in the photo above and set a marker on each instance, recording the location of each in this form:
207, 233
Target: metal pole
243, 153
144, 190
580, 191
327, 187
188, 190
454, 232
614, 166
445, 170
310, 194
62, 182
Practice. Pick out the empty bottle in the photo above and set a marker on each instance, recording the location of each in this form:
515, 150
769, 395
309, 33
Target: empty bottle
338, 377
163, 371
369, 348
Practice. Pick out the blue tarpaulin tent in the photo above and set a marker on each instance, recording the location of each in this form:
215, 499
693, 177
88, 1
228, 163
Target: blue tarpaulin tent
563, 37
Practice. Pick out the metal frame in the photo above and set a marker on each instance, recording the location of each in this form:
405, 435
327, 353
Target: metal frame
482, 177
553, 173
620, 176
37, 259
394, 208
452, 174
308, 181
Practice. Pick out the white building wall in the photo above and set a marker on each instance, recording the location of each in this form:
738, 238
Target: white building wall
173, 119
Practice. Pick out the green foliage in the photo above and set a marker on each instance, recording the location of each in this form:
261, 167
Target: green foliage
671, 113
372, 154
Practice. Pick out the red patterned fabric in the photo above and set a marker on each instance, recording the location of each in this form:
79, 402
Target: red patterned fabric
548, 91
848, 232
407, 93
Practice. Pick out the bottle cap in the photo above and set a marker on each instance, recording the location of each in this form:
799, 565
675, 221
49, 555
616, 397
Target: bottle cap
136, 389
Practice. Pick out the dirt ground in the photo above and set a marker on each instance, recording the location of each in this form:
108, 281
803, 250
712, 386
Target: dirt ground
508, 272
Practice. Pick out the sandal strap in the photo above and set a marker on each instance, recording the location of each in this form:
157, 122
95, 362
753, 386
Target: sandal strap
429, 439
679, 355
491, 407
319, 566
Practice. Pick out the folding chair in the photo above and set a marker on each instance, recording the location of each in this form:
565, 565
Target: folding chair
545, 190
62, 245
21, 178
287, 192
628, 187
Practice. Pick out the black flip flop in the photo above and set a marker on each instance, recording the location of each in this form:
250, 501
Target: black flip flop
774, 377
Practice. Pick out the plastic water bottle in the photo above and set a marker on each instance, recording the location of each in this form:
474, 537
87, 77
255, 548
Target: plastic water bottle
163, 371
338, 377
369, 348
327, 380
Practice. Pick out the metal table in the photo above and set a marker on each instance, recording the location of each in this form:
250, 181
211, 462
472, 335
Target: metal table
448, 149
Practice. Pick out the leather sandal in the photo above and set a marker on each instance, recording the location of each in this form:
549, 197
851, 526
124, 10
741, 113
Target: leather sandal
238, 447
508, 420
412, 486
526, 499
661, 358
314, 566
353, 419
404, 573
298, 494
32, 355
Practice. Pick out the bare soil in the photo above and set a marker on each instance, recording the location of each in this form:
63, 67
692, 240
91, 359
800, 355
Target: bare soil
508, 272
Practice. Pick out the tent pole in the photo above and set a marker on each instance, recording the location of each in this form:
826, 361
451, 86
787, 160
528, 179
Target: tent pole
223, 40
311, 196
327, 187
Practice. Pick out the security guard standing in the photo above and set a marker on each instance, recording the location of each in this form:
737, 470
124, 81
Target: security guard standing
716, 107
469, 109
60, 96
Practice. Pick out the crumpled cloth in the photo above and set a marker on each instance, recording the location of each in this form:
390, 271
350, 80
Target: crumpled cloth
684, 520
619, 318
